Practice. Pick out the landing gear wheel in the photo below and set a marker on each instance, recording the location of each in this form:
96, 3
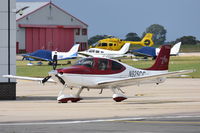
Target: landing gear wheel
119, 97
74, 100
65, 98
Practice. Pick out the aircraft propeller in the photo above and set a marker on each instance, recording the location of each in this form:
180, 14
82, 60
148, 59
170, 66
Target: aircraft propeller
54, 64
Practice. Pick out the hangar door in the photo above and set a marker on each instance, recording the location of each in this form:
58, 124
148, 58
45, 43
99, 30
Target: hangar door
59, 39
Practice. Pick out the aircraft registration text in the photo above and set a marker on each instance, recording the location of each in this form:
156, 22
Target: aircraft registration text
136, 73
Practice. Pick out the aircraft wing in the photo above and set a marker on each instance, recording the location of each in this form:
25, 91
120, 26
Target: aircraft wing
142, 80
36, 58
43, 55
28, 78
145, 51
81, 54
141, 54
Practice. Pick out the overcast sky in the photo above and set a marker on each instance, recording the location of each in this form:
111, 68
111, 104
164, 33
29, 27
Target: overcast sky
119, 17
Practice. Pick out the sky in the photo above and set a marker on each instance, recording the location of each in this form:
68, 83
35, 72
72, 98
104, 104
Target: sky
119, 17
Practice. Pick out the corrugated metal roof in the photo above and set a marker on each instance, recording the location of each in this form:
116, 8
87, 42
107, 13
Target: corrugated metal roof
24, 8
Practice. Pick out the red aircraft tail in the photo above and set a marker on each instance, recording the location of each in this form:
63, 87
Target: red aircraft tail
162, 60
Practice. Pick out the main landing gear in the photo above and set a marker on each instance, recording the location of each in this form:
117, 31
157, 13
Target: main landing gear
63, 98
117, 96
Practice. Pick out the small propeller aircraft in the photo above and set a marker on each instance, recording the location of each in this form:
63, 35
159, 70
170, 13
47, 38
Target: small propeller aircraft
103, 73
47, 55
97, 52
117, 44
153, 52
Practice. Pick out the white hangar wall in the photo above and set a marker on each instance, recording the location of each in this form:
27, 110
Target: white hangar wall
49, 15
4, 39
7, 49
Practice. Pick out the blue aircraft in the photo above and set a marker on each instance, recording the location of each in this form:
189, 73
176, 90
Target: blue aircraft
153, 52
47, 55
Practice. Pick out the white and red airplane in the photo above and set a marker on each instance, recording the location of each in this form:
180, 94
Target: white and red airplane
103, 73
97, 52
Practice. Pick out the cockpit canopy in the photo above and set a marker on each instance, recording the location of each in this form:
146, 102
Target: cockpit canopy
100, 64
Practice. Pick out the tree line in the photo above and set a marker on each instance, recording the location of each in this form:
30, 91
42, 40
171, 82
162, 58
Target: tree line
159, 36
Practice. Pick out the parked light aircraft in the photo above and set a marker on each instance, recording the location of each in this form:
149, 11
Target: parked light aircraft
103, 73
153, 52
117, 44
47, 55
97, 52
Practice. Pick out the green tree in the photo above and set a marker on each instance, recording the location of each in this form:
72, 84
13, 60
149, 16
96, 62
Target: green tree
96, 38
132, 37
159, 33
187, 40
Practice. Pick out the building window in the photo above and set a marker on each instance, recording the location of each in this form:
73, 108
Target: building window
84, 31
77, 31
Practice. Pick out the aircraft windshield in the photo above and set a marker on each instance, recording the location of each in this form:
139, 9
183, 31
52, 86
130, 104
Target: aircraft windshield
88, 62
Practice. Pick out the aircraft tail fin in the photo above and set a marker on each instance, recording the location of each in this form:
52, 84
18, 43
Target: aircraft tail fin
175, 49
74, 49
147, 40
125, 48
162, 60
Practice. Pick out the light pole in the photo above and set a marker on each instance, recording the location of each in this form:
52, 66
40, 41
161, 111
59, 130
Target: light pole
8, 39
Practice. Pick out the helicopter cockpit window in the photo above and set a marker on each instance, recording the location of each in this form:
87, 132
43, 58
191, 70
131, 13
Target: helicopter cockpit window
116, 65
85, 62
110, 44
104, 44
102, 64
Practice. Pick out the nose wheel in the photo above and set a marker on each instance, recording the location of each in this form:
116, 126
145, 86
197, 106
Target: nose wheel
66, 98
63, 98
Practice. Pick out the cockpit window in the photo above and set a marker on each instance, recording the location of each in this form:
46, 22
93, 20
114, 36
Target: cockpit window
110, 44
91, 51
104, 44
116, 65
102, 64
88, 62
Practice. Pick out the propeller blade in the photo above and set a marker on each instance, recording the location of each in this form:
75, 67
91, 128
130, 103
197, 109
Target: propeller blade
60, 79
46, 79
55, 61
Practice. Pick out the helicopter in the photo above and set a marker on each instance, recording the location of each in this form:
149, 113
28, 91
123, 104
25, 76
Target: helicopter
116, 43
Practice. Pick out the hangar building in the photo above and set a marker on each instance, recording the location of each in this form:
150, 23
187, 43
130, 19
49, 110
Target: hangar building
43, 25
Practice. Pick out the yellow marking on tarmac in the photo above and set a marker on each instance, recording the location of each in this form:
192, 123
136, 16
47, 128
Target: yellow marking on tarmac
139, 95
165, 122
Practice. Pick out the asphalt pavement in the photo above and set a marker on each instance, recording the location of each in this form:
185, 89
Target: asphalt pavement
170, 107
156, 124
